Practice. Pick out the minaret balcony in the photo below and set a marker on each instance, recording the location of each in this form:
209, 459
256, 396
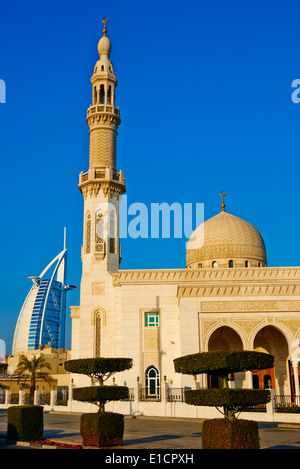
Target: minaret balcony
102, 172
102, 176
107, 108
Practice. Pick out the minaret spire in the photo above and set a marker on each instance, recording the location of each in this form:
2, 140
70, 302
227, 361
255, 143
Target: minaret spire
222, 194
102, 184
104, 20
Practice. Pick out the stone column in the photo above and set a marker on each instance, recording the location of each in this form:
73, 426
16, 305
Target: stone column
7, 398
21, 397
53, 398
249, 381
271, 404
296, 378
36, 397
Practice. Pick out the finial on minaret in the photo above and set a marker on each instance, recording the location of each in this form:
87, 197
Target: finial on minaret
104, 20
222, 194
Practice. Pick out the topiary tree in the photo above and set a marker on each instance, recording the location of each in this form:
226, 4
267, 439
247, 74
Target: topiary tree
230, 399
102, 428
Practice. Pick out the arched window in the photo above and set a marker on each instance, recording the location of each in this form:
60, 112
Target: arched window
99, 241
98, 334
95, 95
246, 263
102, 94
152, 382
88, 233
109, 95
200, 266
258, 264
230, 264
214, 265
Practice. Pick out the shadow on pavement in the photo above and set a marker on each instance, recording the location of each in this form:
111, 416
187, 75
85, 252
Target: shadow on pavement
150, 439
282, 447
58, 433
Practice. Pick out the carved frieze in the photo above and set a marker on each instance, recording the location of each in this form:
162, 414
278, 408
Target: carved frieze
251, 306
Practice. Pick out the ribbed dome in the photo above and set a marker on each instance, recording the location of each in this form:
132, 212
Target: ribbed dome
225, 241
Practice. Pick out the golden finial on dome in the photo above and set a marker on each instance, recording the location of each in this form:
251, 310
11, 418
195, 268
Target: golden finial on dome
104, 20
222, 194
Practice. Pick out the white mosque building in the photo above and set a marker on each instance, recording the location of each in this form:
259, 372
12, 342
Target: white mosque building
227, 297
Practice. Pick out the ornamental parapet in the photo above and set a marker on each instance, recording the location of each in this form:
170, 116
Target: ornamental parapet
102, 176
107, 108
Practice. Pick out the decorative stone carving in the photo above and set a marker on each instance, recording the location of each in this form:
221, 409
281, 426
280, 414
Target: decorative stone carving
98, 288
240, 306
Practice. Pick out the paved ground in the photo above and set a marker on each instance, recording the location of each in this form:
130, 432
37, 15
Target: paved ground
154, 433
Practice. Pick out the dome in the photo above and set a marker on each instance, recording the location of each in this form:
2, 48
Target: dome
225, 241
104, 46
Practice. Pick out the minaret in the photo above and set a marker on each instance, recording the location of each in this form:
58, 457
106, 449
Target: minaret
102, 185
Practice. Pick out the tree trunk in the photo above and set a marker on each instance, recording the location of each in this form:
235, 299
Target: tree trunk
32, 387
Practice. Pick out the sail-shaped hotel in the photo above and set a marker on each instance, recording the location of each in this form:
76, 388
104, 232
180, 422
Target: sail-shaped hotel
42, 317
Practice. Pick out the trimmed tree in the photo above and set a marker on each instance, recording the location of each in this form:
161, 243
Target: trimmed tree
101, 428
232, 433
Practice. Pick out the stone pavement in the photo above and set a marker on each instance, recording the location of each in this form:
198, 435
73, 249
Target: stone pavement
155, 433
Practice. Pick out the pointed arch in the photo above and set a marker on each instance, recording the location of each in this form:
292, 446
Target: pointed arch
99, 232
152, 381
98, 320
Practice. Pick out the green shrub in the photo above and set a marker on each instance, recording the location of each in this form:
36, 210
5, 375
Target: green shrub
101, 393
226, 434
222, 363
25, 423
234, 397
105, 426
98, 366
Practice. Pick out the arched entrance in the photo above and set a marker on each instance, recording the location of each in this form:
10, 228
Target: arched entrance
270, 340
224, 339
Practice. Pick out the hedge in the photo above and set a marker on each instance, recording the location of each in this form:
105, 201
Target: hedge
227, 397
222, 363
98, 366
100, 393
107, 425
225, 434
25, 423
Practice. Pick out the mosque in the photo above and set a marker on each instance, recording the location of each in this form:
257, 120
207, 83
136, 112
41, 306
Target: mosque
227, 298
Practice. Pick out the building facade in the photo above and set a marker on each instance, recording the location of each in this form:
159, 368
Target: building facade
227, 298
42, 317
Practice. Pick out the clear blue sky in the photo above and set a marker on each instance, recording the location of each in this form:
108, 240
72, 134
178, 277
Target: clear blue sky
205, 98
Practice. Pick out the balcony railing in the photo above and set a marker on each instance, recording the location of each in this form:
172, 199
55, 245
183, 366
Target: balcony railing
131, 395
148, 394
103, 108
279, 403
175, 395
287, 404
104, 173
44, 398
